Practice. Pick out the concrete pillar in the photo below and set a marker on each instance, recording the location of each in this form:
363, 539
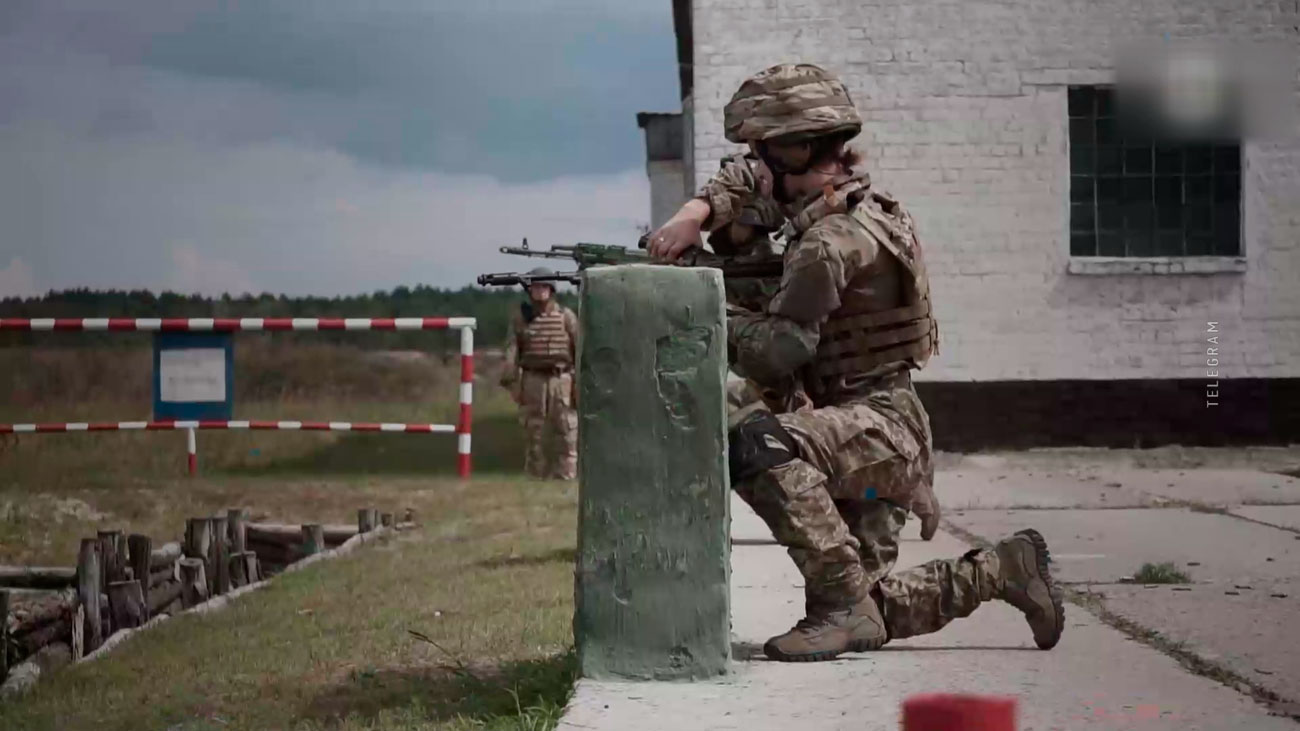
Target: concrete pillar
652, 589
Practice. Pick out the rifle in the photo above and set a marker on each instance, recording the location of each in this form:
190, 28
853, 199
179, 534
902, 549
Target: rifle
589, 255
505, 279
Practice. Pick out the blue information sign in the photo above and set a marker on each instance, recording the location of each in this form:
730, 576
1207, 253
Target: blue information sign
194, 376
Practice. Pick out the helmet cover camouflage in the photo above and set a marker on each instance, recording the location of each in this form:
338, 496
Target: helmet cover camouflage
538, 272
791, 101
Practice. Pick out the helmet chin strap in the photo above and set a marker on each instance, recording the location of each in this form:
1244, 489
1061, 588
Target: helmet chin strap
817, 149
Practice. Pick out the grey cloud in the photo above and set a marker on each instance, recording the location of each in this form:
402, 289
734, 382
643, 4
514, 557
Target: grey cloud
317, 147
278, 217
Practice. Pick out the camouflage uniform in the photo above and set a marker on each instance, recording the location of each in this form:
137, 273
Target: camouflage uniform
741, 221
830, 444
540, 355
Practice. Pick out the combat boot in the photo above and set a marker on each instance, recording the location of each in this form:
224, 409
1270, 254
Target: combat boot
1025, 582
930, 520
828, 632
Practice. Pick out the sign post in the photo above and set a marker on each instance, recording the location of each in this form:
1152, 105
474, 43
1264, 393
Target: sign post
193, 381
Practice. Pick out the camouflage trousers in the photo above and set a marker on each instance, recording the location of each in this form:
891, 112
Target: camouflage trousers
550, 422
839, 507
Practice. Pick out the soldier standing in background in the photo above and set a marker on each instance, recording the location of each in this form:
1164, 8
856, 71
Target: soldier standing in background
540, 355
838, 447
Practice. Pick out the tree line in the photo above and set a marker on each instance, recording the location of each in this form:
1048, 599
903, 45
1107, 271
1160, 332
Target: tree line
491, 307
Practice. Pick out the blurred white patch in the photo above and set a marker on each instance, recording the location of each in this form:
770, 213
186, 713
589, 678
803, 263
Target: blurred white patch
18, 280
1196, 89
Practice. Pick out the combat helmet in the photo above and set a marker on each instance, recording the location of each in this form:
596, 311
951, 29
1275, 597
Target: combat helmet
790, 103
538, 272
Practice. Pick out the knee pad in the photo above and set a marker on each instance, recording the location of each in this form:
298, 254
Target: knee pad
756, 444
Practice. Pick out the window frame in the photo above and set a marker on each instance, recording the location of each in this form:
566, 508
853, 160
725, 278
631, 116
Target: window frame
1096, 262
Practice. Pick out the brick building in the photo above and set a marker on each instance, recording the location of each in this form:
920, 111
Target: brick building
1089, 284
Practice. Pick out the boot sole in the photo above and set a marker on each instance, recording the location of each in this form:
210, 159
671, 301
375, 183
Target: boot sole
855, 646
1058, 606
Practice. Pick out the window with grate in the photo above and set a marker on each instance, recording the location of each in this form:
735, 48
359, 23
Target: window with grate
1133, 196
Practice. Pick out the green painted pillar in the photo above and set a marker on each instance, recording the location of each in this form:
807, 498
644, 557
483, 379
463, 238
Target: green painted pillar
652, 593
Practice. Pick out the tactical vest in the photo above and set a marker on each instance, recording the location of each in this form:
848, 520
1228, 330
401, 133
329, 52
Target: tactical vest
546, 342
854, 340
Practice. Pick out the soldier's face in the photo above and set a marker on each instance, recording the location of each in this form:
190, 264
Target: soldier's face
539, 292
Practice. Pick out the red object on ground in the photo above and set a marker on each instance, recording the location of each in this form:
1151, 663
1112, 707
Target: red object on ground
956, 712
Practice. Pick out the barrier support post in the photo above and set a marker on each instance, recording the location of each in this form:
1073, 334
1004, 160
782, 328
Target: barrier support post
192, 452
466, 402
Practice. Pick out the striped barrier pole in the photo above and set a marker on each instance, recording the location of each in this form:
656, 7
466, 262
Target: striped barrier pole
231, 324
461, 428
466, 402
226, 425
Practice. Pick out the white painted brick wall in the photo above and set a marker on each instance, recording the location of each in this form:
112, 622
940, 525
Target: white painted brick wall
966, 121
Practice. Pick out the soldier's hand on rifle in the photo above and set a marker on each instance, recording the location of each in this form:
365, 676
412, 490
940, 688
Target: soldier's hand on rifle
681, 233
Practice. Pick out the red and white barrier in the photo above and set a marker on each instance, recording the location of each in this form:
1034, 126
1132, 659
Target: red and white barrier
461, 428
232, 425
234, 324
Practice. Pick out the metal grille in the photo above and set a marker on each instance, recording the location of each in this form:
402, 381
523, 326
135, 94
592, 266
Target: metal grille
1131, 195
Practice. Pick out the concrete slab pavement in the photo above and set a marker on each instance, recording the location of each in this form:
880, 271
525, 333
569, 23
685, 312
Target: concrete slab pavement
1104, 546
1245, 569
1247, 629
986, 489
1096, 677
1278, 516
1003, 485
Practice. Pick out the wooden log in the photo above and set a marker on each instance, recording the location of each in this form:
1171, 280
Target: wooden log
236, 518
278, 553
194, 582
88, 592
78, 632
126, 600
163, 575
313, 538
218, 558
252, 567
60, 630
198, 538
141, 553
163, 596
169, 554
107, 556
243, 569
24, 676
38, 577
386, 520
238, 577
365, 520
291, 533
113, 556
29, 609
123, 561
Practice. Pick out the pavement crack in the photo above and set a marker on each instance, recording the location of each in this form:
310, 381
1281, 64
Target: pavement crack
1095, 605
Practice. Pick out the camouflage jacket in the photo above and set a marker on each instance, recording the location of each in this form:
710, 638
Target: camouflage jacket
741, 222
829, 257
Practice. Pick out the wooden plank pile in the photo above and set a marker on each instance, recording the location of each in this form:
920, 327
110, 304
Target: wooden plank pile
53, 615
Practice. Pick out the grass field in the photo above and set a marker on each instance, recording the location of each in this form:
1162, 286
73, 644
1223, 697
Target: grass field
463, 623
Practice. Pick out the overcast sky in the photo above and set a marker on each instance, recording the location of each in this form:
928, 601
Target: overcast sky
326, 147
